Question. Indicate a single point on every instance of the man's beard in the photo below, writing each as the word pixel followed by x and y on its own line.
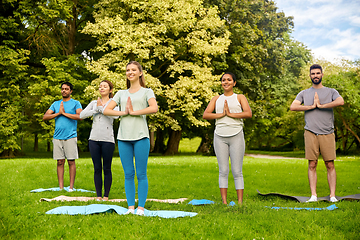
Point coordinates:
pixel 316 83
pixel 66 95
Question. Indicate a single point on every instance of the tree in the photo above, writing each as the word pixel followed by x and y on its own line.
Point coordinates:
pixel 175 41
pixel 343 76
pixel 51 31
pixel 13 72
pixel 266 62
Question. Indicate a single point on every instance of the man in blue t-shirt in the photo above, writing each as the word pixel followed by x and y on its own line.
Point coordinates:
pixel 66 113
pixel 318 103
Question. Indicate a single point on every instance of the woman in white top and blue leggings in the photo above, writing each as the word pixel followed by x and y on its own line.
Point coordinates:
pixel 101 140
pixel 133 136
pixel 230 110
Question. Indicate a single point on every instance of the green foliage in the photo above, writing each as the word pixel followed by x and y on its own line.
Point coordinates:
pixel 175 42
pixel 49 30
pixel 267 63
pixel 193 177
pixel 46 90
pixel 13 74
pixel 344 77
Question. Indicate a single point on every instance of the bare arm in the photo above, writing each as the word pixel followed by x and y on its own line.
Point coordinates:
pixel 296 106
pixel 75 116
pixel 337 102
pixel 152 108
pixel 50 114
pixel 209 111
pixel 246 110
pixel 109 110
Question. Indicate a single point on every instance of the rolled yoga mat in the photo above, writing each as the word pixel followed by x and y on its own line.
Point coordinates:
pixel 304 199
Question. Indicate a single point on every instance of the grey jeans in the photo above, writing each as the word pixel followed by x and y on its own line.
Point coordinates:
pixel 234 147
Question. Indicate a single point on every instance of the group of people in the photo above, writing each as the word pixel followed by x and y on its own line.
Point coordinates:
pixel 132 105
pixel 228 110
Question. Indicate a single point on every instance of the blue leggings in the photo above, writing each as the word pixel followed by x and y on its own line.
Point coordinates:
pixel 127 150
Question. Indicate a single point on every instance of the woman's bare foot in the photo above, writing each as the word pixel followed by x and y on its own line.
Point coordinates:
pixel 105 198
pixel 98 199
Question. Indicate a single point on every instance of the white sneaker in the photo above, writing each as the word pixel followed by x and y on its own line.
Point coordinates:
pixel 312 199
pixel 140 212
pixel 333 199
pixel 129 211
pixel 71 190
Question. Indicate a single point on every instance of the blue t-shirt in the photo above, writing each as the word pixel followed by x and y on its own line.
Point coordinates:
pixel 65 128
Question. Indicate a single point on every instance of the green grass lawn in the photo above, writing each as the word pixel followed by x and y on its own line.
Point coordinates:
pixel 22 215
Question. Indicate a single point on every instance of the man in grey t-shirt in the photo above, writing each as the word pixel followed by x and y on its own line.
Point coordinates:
pixel 318 103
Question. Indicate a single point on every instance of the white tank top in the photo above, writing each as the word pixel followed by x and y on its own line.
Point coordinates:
pixel 227 126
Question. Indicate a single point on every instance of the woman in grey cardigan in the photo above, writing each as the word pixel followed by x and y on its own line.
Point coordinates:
pixel 101 140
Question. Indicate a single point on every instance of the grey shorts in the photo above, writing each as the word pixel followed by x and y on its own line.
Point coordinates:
pixel 65 149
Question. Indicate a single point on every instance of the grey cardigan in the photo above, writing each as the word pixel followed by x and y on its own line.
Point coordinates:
pixel 102 127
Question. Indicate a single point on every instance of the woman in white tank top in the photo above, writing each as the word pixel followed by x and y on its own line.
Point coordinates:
pixel 230 110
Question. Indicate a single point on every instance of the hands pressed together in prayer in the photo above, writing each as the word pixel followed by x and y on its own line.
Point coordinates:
pixel 62 109
pixel 317 101
pixel 226 111
pixel 129 107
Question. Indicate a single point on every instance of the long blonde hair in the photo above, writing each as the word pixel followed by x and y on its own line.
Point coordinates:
pixel 141 78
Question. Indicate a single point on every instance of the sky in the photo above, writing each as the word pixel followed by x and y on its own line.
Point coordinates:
pixel 329 28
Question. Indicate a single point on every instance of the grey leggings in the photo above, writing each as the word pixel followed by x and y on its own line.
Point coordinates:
pixel 234 147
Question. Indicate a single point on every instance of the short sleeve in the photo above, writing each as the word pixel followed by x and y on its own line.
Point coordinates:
pixel 300 96
pixel 52 107
pixel 78 105
pixel 150 94
pixel 335 94
pixel 117 98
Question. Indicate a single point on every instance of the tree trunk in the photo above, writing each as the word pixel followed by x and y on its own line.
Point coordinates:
pixel 173 143
pixel 159 142
pixel 152 141
pixel 36 143
pixel 205 144
pixel 71 26
pixel 48 146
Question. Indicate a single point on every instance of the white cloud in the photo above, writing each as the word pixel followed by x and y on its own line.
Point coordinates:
pixel 355 20
pixel 330 28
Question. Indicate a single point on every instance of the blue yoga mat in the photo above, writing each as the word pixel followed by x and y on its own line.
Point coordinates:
pixel 56 189
pixel 102 208
pixel 197 202
pixel 331 207
pixel 200 202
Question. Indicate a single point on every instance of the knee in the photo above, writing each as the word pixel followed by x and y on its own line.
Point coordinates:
pixel 61 162
pixel 237 175
pixel 312 168
pixel 107 171
pixel 129 175
pixel 312 165
pixel 71 162
pixel 223 174
pixel 330 165
pixel 98 170
pixel 141 176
